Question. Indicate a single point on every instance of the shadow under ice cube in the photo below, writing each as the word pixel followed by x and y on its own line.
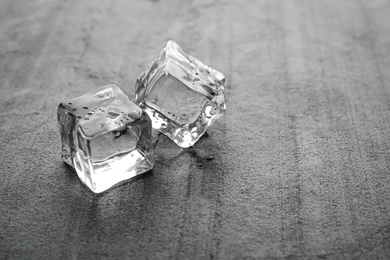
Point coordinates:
pixel 182 96
pixel 105 137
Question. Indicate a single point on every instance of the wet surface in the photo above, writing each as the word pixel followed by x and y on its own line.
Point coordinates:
pixel 301 158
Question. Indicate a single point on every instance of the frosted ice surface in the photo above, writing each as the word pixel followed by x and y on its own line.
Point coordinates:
pixel 105 137
pixel 182 95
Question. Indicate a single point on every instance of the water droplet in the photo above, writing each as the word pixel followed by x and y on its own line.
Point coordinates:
pixel 85 107
pixel 70 103
pixel 133 115
pixel 78 165
pixel 90 113
pixel 210 158
pixel 113 112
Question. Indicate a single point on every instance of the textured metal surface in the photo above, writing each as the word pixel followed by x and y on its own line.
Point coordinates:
pixel 298 167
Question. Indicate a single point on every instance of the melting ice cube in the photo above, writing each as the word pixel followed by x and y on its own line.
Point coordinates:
pixel 105 137
pixel 182 95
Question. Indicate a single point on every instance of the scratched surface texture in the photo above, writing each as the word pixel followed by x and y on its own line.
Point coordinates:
pixel 298 168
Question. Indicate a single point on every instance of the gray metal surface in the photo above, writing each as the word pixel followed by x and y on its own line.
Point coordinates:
pixel 301 158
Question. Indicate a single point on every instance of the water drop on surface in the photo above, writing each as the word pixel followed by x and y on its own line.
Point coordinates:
pixel 85 107
pixel 78 165
pixel 113 112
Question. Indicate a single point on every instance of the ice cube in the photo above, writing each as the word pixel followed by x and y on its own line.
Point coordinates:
pixel 105 137
pixel 182 96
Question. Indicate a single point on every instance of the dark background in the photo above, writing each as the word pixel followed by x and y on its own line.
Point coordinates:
pixel 301 158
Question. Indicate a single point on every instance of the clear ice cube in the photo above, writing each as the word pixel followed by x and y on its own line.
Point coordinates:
pixel 105 137
pixel 182 96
